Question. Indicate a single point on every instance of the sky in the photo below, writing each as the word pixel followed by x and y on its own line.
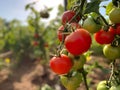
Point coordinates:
pixel 15 9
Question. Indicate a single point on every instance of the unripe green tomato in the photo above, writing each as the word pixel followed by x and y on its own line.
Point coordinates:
pixel 79 63
pixel 111 52
pixel 115 88
pixel 114 15
pixel 91 26
pixel 102 85
pixel 73 82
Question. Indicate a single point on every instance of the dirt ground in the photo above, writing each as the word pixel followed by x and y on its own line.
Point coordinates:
pixel 31 75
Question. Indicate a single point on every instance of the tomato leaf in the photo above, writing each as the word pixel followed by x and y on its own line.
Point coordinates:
pixel 92 6
pixel 70 3
pixel 109 7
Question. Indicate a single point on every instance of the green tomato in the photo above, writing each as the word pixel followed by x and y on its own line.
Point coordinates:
pixel 114 15
pixel 79 63
pixel 102 86
pixel 115 87
pixel 90 25
pixel 73 82
pixel 111 52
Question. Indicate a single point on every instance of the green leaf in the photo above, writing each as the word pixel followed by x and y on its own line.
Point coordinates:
pixel 27 6
pixel 70 3
pixel 93 6
pixel 109 7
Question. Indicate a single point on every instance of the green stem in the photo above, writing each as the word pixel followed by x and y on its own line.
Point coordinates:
pixel 112 71
pixel 104 20
pixel 85 79
pixel 80 7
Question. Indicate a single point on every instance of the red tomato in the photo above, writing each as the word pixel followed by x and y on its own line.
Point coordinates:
pixel 61 64
pixel 78 42
pixel 61 28
pixel 104 37
pixel 112 30
pixel 68 15
pixel 60 33
pixel 118 29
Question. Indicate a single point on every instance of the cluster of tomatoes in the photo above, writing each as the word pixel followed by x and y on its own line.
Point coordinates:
pixel 76 39
pixel 111 50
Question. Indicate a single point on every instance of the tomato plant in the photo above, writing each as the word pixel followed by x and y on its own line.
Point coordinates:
pixel 77 41
pixel 62 61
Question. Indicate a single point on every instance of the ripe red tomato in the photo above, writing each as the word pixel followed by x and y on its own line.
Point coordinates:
pixel 60 34
pixel 68 15
pixel 78 42
pixel 118 29
pixel 112 30
pixel 104 37
pixel 61 64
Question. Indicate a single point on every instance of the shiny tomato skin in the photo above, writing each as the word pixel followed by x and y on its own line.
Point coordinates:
pixel 112 30
pixel 104 37
pixel 78 42
pixel 60 34
pixel 68 15
pixel 118 29
pixel 61 64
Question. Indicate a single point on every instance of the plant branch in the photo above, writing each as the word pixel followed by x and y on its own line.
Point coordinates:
pixel 104 20
pixel 85 79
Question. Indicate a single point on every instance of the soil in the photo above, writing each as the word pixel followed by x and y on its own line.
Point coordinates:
pixel 32 75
